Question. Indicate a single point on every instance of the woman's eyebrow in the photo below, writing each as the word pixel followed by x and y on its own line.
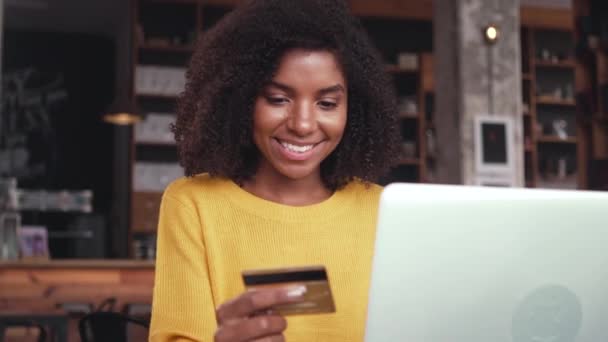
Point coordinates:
pixel 320 92
pixel 332 89
pixel 280 86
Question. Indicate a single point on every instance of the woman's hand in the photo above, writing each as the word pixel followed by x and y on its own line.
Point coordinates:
pixel 239 320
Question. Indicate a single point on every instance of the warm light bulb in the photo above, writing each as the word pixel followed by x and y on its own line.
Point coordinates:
pixel 122 119
pixel 491 33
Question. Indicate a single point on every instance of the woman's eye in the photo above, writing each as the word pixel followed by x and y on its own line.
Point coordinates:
pixel 276 100
pixel 327 104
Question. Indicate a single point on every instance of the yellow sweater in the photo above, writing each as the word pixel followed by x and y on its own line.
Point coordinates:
pixel 210 230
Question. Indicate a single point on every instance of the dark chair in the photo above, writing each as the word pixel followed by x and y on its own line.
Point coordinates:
pixel 4 324
pixel 107 326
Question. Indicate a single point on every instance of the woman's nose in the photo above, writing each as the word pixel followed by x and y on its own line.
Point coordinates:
pixel 302 120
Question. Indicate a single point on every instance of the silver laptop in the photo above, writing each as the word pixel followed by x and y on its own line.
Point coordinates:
pixel 473 264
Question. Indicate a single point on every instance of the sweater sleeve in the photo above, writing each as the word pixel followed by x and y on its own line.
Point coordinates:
pixel 182 305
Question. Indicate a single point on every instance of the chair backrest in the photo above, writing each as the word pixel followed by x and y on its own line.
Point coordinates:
pixel 107 326
pixel 42 335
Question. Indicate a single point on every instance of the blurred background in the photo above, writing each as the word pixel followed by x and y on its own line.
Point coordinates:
pixel 491 93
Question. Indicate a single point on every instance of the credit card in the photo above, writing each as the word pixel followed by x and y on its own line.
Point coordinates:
pixel 316 300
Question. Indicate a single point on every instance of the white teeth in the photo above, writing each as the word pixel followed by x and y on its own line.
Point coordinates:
pixel 296 148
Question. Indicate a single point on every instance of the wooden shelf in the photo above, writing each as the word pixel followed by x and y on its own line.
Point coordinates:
pixel 395 69
pixel 143 230
pixel 549 139
pixel 167 48
pixel 548 101
pixel 601 118
pixel 547 18
pixel 596 120
pixel 565 64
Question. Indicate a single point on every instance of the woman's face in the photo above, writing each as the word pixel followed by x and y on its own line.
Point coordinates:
pixel 299 117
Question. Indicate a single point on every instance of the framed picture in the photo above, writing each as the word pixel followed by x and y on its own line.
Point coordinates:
pixel 494 151
pixel 33 242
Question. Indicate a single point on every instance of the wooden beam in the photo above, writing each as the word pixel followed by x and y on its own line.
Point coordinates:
pixel 419 9
pixel 600 141
pixel 531 16
pixel 427 67
pixel 549 18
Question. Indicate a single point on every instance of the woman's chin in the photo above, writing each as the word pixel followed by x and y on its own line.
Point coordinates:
pixel 295 172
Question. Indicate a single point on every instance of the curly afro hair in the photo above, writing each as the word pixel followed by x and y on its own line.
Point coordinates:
pixel 236 58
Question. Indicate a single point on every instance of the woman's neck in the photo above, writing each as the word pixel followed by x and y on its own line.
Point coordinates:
pixel 295 192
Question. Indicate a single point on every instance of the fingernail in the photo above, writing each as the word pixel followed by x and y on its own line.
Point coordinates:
pixel 297 291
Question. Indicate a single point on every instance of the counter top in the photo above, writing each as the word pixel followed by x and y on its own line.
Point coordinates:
pixel 80 263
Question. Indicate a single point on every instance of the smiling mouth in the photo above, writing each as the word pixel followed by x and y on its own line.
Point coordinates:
pixel 296 148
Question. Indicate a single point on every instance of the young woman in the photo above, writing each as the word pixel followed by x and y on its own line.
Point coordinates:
pixel 286 121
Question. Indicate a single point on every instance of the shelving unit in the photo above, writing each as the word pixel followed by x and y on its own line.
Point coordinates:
pixel 412 86
pixel 405 43
pixel 554 142
pixel 166 32
pixel 591 40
